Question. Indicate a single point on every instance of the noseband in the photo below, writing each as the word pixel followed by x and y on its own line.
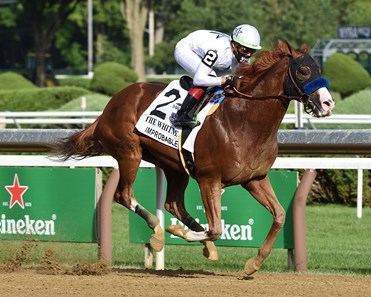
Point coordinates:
pixel 301 95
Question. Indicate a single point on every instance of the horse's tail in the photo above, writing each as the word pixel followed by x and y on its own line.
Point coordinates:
pixel 80 145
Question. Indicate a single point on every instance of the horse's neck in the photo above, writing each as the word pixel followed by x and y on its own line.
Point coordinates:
pixel 267 112
pixel 264 115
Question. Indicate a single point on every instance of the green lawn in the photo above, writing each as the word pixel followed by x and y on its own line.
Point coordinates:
pixel 337 243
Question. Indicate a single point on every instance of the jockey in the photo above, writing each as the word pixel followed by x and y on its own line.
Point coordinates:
pixel 211 56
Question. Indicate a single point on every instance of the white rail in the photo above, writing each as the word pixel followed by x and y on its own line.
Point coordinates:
pixel 334 119
pixel 26 114
pixel 88 117
pixel 108 161
pixel 281 163
pixel 48 117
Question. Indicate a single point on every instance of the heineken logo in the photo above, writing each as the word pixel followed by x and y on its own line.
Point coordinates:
pixel 26 224
pixel 230 231
pixel 49 203
pixel 16 192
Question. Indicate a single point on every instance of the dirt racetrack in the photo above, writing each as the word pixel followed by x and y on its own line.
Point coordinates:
pixel 130 282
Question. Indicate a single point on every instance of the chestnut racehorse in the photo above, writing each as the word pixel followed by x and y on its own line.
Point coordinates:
pixel 237 145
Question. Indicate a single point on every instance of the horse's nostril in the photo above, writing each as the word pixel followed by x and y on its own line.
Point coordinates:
pixel 326 105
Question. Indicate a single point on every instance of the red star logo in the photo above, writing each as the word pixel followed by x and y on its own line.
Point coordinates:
pixel 16 191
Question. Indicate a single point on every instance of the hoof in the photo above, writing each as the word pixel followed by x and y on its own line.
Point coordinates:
pixel 210 250
pixel 157 240
pixel 177 230
pixel 250 267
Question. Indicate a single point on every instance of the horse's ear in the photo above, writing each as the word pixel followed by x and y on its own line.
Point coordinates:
pixel 304 48
pixel 289 48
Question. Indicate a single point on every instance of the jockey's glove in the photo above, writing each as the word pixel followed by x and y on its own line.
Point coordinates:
pixel 230 80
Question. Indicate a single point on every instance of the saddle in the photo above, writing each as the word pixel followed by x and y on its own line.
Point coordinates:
pixel 186 82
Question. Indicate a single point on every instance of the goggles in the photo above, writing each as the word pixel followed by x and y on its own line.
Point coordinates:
pixel 245 50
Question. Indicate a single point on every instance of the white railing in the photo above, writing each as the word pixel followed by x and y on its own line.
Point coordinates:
pixel 19 118
pixel 334 119
pixel 281 163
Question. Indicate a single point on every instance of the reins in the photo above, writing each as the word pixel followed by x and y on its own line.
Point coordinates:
pixel 281 97
pixel 301 98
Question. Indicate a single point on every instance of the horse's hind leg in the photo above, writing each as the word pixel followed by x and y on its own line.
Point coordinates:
pixel 174 204
pixel 263 193
pixel 128 168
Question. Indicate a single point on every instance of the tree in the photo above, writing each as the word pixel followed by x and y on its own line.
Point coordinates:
pixel 298 21
pixel 359 13
pixel 112 41
pixel 69 48
pixel 26 24
pixel 183 17
pixel 46 17
pixel 110 38
pixel 135 14
pixel 342 7
pixel 15 36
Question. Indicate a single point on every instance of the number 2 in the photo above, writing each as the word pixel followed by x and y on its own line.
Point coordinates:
pixel 210 58
pixel 160 114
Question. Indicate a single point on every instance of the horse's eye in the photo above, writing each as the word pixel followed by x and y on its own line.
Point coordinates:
pixel 303 73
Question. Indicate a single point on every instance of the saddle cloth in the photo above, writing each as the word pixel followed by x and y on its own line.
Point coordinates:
pixel 155 123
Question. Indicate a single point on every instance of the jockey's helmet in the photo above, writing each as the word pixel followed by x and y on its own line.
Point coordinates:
pixel 246 39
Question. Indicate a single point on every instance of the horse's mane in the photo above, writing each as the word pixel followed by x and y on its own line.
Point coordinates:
pixel 266 59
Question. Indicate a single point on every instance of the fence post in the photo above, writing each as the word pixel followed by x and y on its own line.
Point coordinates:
pixel 300 201
pixel 160 201
pixel 359 193
pixel 105 217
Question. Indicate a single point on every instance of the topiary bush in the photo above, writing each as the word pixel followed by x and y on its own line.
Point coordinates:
pixel 111 77
pixel 94 102
pixel 39 99
pixel 346 75
pixel 14 81
pixel 76 81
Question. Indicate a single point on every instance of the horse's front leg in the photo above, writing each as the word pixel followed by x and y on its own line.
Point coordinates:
pixel 263 192
pixel 175 205
pixel 211 197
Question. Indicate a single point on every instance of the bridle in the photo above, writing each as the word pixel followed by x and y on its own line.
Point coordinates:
pixel 301 96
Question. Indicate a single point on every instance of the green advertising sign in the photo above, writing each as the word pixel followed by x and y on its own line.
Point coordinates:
pixel 245 222
pixel 50 204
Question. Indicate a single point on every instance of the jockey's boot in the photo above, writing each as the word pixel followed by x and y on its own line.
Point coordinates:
pixel 185 115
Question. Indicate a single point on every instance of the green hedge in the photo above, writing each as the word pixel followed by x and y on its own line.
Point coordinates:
pixel 76 81
pixel 110 78
pixel 39 99
pixel 14 81
pixel 94 102
pixel 346 75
